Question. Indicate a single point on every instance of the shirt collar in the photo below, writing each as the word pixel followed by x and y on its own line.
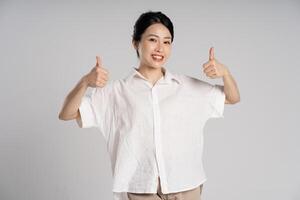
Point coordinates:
pixel 167 78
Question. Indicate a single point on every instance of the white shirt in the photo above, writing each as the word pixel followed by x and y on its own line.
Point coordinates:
pixel 153 131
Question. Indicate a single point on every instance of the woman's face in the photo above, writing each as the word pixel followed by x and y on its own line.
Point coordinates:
pixel 155 46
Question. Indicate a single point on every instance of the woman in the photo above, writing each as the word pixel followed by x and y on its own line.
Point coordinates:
pixel 152 120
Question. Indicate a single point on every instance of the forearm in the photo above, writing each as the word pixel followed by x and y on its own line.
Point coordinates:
pixel 230 88
pixel 73 100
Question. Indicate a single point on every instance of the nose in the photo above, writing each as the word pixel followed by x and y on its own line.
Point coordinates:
pixel 159 47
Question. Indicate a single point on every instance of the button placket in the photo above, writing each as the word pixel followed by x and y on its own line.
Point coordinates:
pixel 157 139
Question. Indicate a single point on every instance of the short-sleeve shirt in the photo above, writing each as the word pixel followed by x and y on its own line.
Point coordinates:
pixel 153 131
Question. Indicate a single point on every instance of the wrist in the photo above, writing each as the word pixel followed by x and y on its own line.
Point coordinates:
pixel 84 81
pixel 226 73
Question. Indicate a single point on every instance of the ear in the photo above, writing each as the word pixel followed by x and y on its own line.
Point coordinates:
pixel 135 44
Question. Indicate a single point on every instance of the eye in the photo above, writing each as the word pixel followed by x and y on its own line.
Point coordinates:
pixel 168 42
pixel 152 39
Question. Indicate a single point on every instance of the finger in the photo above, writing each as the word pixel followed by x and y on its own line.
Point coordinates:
pixel 208 69
pixel 210 73
pixel 211 53
pixel 101 80
pixel 207 64
pixel 106 76
pixel 103 77
pixel 98 61
pixel 101 84
pixel 105 71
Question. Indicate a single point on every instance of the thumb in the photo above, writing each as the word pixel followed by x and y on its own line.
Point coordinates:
pixel 211 53
pixel 98 61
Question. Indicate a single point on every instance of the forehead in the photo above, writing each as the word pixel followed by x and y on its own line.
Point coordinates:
pixel 157 29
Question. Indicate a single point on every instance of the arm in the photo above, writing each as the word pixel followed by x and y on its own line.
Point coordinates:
pixel 97 77
pixel 72 102
pixel 230 89
pixel 214 69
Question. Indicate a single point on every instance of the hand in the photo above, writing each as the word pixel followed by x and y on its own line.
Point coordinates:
pixel 213 68
pixel 98 76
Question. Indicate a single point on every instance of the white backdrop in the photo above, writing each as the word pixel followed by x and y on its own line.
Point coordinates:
pixel 47 46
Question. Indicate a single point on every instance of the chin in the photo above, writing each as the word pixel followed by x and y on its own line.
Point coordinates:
pixel 157 65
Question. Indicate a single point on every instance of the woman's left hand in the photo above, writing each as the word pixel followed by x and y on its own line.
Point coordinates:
pixel 213 68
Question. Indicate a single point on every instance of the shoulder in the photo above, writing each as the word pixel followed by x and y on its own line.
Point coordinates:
pixel 194 83
pixel 112 87
pixel 108 89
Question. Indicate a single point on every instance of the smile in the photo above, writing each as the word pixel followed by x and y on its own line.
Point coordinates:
pixel 157 57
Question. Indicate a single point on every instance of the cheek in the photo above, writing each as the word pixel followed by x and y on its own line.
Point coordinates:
pixel 168 51
pixel 147 49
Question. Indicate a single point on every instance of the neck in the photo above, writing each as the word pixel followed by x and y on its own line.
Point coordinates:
pixel 151 74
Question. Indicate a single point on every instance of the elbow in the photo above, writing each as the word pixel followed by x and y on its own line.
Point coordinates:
pixel 65 117
pixel 233 101
pixel 61 116
pixel 236 100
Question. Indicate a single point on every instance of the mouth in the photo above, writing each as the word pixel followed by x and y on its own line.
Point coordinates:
pixel 157 57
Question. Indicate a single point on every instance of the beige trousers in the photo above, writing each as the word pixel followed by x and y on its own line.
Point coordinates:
pixel 193 194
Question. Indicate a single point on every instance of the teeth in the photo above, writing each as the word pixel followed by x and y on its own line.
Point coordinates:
pixel 157 57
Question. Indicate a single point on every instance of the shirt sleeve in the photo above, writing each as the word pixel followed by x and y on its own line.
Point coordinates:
pixel 94 108
pixel 217 101
pixel 87 111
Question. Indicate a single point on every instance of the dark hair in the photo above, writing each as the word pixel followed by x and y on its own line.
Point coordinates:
pixel 147 19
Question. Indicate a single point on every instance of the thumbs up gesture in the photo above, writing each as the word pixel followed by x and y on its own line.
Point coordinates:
pixel 213 68
pixel 98 76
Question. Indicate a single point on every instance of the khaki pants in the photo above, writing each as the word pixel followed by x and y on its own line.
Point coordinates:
pixel 194 194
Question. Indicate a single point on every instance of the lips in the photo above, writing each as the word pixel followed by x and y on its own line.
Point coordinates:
pixel 157 57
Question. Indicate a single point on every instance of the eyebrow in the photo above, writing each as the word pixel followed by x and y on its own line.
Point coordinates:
pixel 168 37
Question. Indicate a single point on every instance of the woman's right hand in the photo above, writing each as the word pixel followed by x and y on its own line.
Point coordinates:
pixel 98 76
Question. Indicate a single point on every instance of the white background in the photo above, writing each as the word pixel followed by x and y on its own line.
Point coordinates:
pixel 47 46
